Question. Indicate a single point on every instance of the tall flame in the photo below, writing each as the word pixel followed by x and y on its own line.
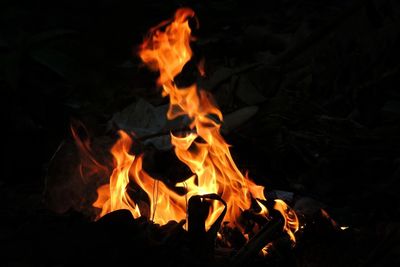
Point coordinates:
pixel 203 150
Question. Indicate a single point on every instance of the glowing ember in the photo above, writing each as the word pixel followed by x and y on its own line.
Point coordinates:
pixel 203 150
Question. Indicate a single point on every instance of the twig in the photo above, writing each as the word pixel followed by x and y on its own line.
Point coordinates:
pixel 202 242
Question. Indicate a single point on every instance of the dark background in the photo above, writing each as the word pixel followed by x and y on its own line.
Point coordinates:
pixel 324 75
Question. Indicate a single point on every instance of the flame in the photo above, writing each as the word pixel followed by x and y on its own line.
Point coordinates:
pixel 89 166
pixel 264 250
pixel 291 224
pixel 264 211
pixel 166 50
pixel 204 151
pixel 113 196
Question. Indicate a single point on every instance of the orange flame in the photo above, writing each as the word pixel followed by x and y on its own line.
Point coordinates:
pixel 204 150
pixel 291 225
pixel 89 166
pixel 113 196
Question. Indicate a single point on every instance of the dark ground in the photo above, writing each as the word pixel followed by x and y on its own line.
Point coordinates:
pixel 324 75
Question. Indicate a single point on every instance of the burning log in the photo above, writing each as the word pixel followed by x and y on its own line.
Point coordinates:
pixel 201 241
pixel 270 232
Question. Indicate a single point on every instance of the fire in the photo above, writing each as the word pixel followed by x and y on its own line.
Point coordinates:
pixel 291 224
pixel 166 50
pixel 113 196
pixel 90 166
pixel 204 151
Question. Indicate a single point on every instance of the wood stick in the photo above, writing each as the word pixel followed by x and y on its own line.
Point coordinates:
pixel 267 234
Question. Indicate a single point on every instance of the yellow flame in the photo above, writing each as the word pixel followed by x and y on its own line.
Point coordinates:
pixel 264 211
